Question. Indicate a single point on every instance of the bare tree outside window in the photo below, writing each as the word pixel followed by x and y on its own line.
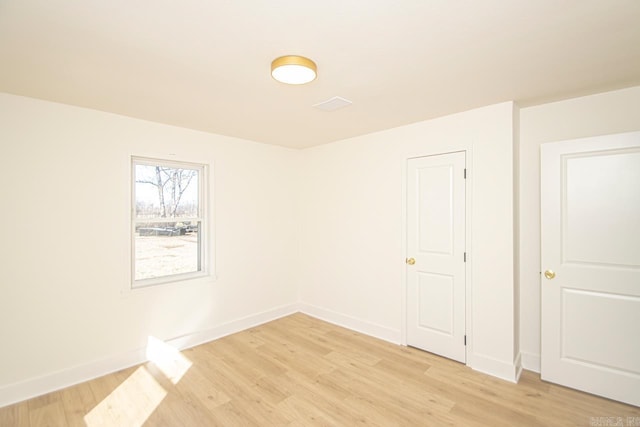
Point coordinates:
pixel 169 185
pixel 167 220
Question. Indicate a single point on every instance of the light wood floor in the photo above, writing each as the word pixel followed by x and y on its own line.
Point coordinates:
pixel 299 371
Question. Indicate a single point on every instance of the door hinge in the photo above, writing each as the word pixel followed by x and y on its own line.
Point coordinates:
pixel 465 257
pixel 465 340
pixel 465 173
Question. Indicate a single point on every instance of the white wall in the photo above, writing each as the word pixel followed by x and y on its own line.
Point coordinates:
pixel 352 250
pixel 601 114
pixel 328 219
pixel 65 239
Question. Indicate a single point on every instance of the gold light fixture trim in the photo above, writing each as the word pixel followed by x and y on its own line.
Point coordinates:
pixel 294 70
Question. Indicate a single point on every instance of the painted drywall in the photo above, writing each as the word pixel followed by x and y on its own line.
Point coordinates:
pixel 65 240
pixel 601 114
pixel 321 226
pixel 351 241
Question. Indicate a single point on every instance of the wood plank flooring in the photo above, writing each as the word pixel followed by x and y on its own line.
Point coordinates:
pixel 299 371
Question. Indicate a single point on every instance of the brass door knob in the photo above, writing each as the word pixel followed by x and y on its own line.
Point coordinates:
pixel 410 261
pixel 549 274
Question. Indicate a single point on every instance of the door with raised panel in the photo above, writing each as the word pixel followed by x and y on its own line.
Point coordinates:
pixel 590 212
pixel 435 254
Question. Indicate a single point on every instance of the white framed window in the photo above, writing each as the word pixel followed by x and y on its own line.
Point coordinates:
pixel 168 216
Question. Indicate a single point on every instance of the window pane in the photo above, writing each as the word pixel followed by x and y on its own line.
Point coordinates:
pixel 166 192
pixel 165 249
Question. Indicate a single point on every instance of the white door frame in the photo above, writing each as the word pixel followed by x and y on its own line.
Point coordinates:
pixel 468 245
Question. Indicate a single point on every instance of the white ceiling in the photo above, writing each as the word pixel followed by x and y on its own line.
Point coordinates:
pixel 204 64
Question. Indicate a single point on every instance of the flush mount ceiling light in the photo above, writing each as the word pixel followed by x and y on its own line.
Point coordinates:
pixel 293 70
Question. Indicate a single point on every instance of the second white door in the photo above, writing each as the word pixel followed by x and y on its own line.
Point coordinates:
pixel 591 263
pixel 436 254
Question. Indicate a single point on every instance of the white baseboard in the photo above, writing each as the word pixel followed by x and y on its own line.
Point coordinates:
pixel 38 386
pixel 507 371
pixel 497 368
pixel 34 387
pixel 238 325
pixel 531 361
pixel 358 325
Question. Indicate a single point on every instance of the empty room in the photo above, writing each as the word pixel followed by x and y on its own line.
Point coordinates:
pixel 295 213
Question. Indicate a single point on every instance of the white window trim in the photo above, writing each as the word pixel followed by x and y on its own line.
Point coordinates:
pixel 203 218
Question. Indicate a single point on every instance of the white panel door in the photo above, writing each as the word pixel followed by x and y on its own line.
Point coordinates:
pixel 590 201
pixel 435 254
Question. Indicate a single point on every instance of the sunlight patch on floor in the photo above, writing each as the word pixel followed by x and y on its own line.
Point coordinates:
pixel 138 396
pixel 130 404
pixel 168 359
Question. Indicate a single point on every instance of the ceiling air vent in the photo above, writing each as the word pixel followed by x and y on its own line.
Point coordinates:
pixel 333 104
